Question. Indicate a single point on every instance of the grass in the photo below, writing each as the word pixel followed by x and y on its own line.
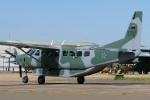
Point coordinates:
pixel 135 79
pixel 131 78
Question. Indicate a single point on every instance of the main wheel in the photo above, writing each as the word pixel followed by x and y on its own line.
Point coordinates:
pixel 41 79
pixel 25 79
pixel 80 80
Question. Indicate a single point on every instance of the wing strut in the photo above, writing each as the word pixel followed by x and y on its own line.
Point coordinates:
pixel 29 55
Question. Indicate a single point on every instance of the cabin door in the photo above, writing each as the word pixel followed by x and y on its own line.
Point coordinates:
pixel 50 58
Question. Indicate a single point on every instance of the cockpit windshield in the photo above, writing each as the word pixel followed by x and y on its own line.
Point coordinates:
pixel 31 51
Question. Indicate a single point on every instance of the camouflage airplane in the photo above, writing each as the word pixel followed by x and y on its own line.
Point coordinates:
pixel 76 59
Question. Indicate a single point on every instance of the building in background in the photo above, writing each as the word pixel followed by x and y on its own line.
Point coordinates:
pixel 6 61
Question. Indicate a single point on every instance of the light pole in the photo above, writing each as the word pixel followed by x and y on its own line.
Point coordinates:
pixel 3 63
pixel 8 63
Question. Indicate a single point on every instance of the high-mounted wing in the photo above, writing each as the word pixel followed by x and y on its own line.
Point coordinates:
pixel 29 45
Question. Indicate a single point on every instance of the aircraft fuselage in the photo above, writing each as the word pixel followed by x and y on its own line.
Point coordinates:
pixel 71 60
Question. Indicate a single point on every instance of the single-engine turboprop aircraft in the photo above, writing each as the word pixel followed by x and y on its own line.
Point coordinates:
pixel 76 59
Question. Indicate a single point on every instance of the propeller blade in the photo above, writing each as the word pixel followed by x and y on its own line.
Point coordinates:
pixel 10 62
pixel 12 55
pixel 20 71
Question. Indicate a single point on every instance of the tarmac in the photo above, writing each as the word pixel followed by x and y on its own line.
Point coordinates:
pixel 95 88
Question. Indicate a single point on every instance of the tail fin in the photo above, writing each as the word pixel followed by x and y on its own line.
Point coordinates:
pixel 132 39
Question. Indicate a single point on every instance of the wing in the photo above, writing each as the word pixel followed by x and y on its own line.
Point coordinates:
pixel 29 45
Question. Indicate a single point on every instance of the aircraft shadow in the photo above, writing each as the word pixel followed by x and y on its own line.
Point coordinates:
pixel 104 83
pixel 114 83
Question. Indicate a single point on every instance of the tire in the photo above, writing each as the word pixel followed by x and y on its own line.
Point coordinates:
pixel 41 79
pixel 80 80
pixel 146 71
pixel 25 79
pixel 140 71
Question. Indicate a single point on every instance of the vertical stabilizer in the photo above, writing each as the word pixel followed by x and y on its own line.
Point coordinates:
pixel 132 39
pixel 134 32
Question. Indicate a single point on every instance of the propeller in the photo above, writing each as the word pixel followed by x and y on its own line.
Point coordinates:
pixel 20 67
pixel 12 55
pixel 20 71
pixel 13 62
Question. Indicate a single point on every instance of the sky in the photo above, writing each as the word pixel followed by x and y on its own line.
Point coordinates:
pixel 96 21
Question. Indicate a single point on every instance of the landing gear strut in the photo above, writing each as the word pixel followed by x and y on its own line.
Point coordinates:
pixel 25 78
pixel 80 80
pixel 41 79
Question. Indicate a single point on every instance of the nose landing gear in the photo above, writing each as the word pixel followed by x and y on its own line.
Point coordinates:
pixel 25 78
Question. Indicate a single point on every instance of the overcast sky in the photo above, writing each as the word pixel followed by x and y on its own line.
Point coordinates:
pixel 97 21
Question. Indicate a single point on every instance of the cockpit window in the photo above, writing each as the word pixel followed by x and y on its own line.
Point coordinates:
pixel 37 53
pixel 31 51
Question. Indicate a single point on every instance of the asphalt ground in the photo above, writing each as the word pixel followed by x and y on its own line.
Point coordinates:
pixel 96 87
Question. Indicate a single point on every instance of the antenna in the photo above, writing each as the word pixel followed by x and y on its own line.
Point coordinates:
pixel 63 42
pixel 9 40
pixel 52 42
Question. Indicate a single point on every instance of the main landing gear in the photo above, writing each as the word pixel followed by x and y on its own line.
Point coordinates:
pixel 41 79
pixel 80 80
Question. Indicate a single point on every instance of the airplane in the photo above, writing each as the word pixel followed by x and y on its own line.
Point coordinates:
pixel 70 59
pixel 141 62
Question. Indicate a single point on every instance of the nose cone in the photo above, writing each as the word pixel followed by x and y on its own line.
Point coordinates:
pixel 20 60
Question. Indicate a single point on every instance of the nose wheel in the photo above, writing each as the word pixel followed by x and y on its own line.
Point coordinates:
pixel 25 79
pixel 80 80
pixel 41 79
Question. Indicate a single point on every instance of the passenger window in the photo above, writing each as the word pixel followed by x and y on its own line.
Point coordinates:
pixel 56 53
pixel 72 53
pixel 49 54
pixel 87 53
pixel 79 53
pixel 37 53
pixel 65 53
